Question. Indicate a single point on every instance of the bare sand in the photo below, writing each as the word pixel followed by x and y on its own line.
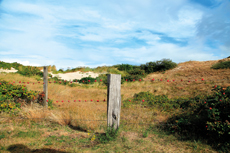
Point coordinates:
pixel 75 75
pixel 67 76
pixel 12 70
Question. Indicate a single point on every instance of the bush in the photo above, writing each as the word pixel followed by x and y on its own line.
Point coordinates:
pixel 113 71
pixel 29 71
pixel 109 135
pixel 131 78
pixel 137 71
pixel 87 80
pixel 161 102
pixel 10 93
pixel 162 65
pixel 124 67
pixel 5 65
pixel 221 65
pixel 23 70
pixel 208 120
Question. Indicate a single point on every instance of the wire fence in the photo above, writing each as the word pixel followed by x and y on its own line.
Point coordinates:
pixel 104 99
pixel 140 80
pixel 88 120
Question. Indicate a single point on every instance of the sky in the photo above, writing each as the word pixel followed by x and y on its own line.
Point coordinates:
pixel 91 33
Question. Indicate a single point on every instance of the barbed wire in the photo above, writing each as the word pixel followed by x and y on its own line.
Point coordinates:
pixel 140 80
pixel 23 118
pixel 121 121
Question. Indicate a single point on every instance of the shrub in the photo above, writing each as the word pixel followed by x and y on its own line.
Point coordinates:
pixel 130 78
pixel 136 71
pixel 87 80
pixel 208 120
pixel 124 67
pixel 109 135
pixel 113 71
pixel 160 101
pixel 5 65
pixel 162 65
pixel 29 71
pixel 10 93
pixel 103 78
pixel 221 65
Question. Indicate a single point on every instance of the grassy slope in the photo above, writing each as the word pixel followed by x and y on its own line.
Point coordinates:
pixel 52 135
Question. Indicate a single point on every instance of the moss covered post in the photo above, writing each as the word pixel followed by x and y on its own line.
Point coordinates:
pixel 113 100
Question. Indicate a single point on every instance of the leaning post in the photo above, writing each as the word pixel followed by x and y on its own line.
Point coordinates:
pixel 113 100
pixel 45 86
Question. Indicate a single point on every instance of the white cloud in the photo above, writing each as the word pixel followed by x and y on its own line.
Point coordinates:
pixel 26 63
pixel 215 25
pixel 70 33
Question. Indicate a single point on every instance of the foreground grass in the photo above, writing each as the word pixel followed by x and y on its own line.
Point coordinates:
pixel 43 136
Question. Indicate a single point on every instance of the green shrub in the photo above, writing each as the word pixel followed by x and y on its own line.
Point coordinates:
pixel 29 71
pixel 103 78
pixel 9 93
pixel 124 67
pixel 208 119
pixel 5 65
pixel 23 70
pixel 131 78
pixel 87 80
pixel 113 71
pixel 110 135
pixel 221 65
pixel 136 71
pixel 162 65
pixel 50 103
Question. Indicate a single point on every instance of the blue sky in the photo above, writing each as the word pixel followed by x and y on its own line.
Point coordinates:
pixel 94 33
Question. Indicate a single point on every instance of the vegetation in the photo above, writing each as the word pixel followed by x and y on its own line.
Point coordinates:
pixel 162 65
pixel 11 97
pixel 208 119
pixel 221 65
pixel 156 116
pixel 109 135
pixel 203 118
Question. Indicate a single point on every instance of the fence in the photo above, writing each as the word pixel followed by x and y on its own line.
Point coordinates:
pixel 113 94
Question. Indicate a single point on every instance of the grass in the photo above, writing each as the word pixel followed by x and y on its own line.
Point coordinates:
pixel 67 139
pixel 64 128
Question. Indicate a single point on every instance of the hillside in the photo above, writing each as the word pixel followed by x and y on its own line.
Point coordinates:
pixel 63 128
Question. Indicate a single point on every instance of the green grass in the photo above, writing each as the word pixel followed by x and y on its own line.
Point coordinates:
pixel 146 139
pixel 29 134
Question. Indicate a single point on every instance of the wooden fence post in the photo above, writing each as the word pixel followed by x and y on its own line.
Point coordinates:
pixel 45 86
pixel 113 100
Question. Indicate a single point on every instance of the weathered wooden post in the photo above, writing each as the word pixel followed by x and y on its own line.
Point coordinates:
pixel 113 100
pixel 45 86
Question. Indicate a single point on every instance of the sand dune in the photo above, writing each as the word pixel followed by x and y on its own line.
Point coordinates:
pixel 67 76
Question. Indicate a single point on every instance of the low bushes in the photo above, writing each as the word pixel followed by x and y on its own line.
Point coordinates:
pixel 124 67
pixel 162 65
pixel 202 117
pixel 29 71
pixel 11 96
pixel 221 65
pixel 5 65
pixel 209 119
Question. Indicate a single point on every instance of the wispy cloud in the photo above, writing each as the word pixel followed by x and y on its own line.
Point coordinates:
pixel 79 33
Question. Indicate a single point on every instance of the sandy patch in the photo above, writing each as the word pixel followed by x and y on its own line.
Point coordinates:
pixel 75 75
pixel 67 76
pixel 12 70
